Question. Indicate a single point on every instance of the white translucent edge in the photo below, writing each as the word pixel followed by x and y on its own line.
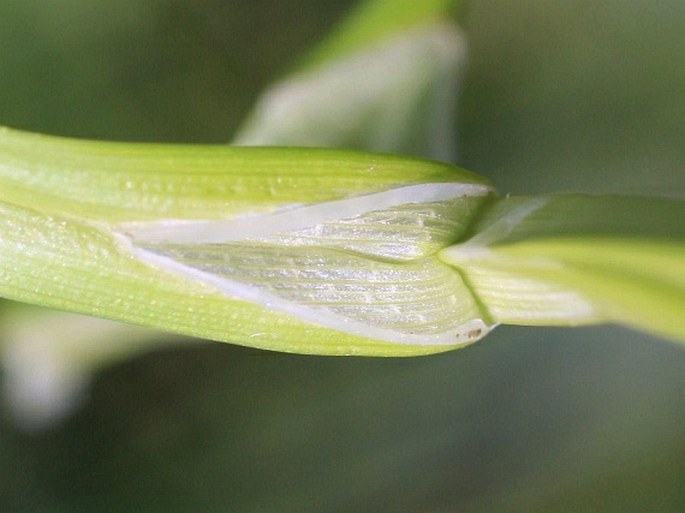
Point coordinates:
pixel 291 219
pixel 500 229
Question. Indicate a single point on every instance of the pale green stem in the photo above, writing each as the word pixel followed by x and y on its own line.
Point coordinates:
pixel 322 251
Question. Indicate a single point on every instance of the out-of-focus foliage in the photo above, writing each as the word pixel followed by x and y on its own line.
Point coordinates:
pixel 148 70
pixel 576 95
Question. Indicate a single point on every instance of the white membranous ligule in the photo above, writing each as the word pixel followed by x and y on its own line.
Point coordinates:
pixel 364 265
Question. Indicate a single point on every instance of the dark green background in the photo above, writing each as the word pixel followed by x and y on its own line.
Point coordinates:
pixel 559 95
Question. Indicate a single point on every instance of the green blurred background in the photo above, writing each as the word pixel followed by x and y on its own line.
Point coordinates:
pixel 558 96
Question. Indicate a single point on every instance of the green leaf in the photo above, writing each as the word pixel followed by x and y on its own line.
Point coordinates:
pixel 577 259
pixel 112 181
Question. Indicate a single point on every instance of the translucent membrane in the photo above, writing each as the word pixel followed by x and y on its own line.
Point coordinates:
pixel 373 273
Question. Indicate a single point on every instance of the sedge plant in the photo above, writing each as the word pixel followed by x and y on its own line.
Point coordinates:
pixel 331 251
